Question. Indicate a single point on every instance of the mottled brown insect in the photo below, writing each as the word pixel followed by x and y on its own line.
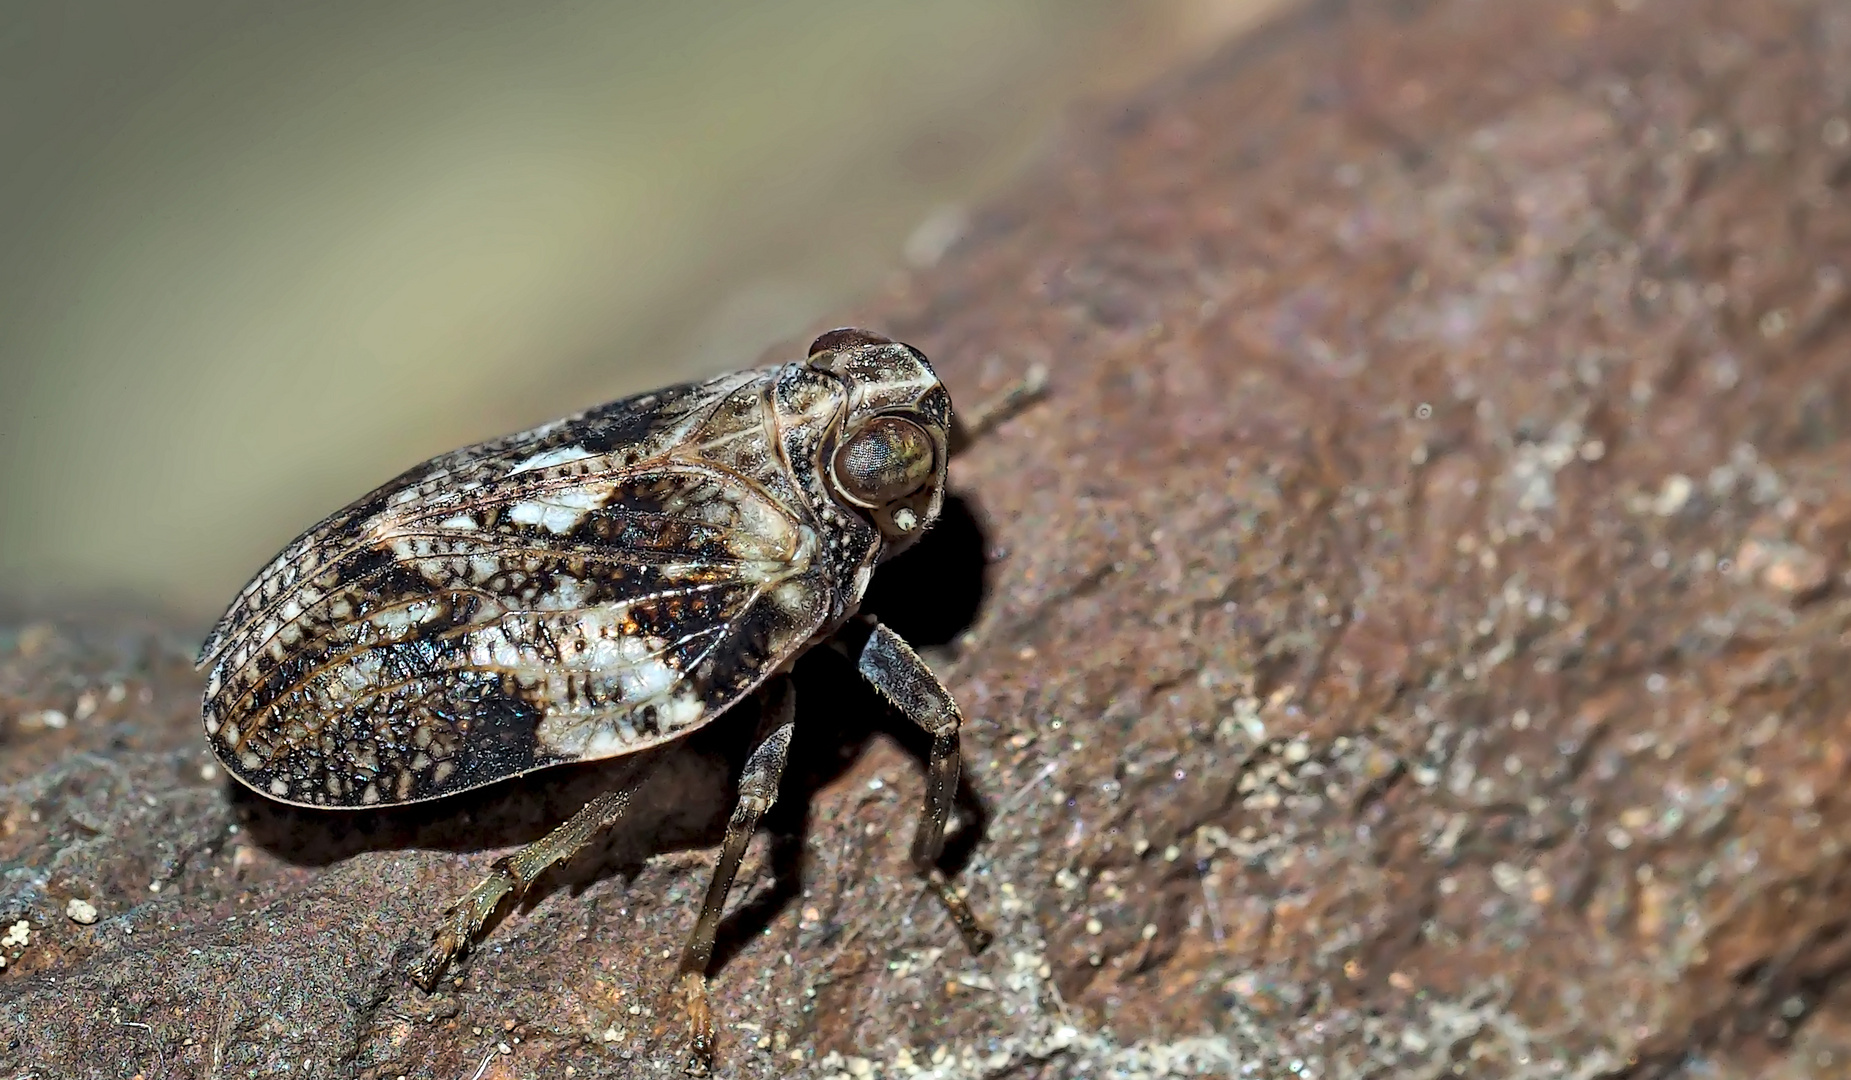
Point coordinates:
pixel 594 587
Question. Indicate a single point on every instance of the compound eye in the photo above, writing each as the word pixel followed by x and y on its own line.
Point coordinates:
pixel 888 459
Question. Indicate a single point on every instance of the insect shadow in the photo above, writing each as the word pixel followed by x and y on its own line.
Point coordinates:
pixel 929 595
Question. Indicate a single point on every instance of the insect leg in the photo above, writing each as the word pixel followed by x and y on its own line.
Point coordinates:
pixel 758 789
pixel 971 424
pixel 513 874
pixel 892 668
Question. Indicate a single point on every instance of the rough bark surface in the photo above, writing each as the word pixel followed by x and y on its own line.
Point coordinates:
pixel 1414 642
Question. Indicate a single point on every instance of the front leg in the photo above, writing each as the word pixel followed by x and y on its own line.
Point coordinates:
pixel 893 669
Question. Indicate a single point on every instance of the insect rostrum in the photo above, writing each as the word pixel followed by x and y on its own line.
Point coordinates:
pixel 591 588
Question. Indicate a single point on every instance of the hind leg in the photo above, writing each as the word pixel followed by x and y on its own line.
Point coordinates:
pixel 512 875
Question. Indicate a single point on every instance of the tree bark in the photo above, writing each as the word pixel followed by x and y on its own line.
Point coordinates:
pixel 1410 639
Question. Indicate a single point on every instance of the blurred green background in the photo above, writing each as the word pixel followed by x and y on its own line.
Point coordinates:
pixel 258 257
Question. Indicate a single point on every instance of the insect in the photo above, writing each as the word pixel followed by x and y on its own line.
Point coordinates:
pixel 595 587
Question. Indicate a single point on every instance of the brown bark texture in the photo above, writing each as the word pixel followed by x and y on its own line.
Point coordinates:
pixel 1409 641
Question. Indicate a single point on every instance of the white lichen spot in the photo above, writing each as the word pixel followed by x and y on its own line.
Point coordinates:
pixel 607 740
pixel 462 522
pixel 634 663
pixel 398 620
pixel 633 670
pixel 1673 495
pixel 568 594
pixel 559 511
pixel 764 533
pixel 681 711
pixel 550 458
pixel 491 648
pixel 359 674
pixel 794 598
pixel 277 787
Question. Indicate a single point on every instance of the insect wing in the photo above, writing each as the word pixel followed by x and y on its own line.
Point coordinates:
pixel 645 426
pixel 585 590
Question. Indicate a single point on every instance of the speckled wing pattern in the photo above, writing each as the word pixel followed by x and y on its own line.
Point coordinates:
pixel 586 589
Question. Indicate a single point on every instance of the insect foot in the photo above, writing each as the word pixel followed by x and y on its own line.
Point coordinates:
pixel 691 991
pixel 458 926
pixel 595 588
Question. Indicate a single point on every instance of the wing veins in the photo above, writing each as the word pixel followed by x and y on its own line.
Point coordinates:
pixel 681 675
pixel 460 463
pixel 332 660
pixel 604 554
